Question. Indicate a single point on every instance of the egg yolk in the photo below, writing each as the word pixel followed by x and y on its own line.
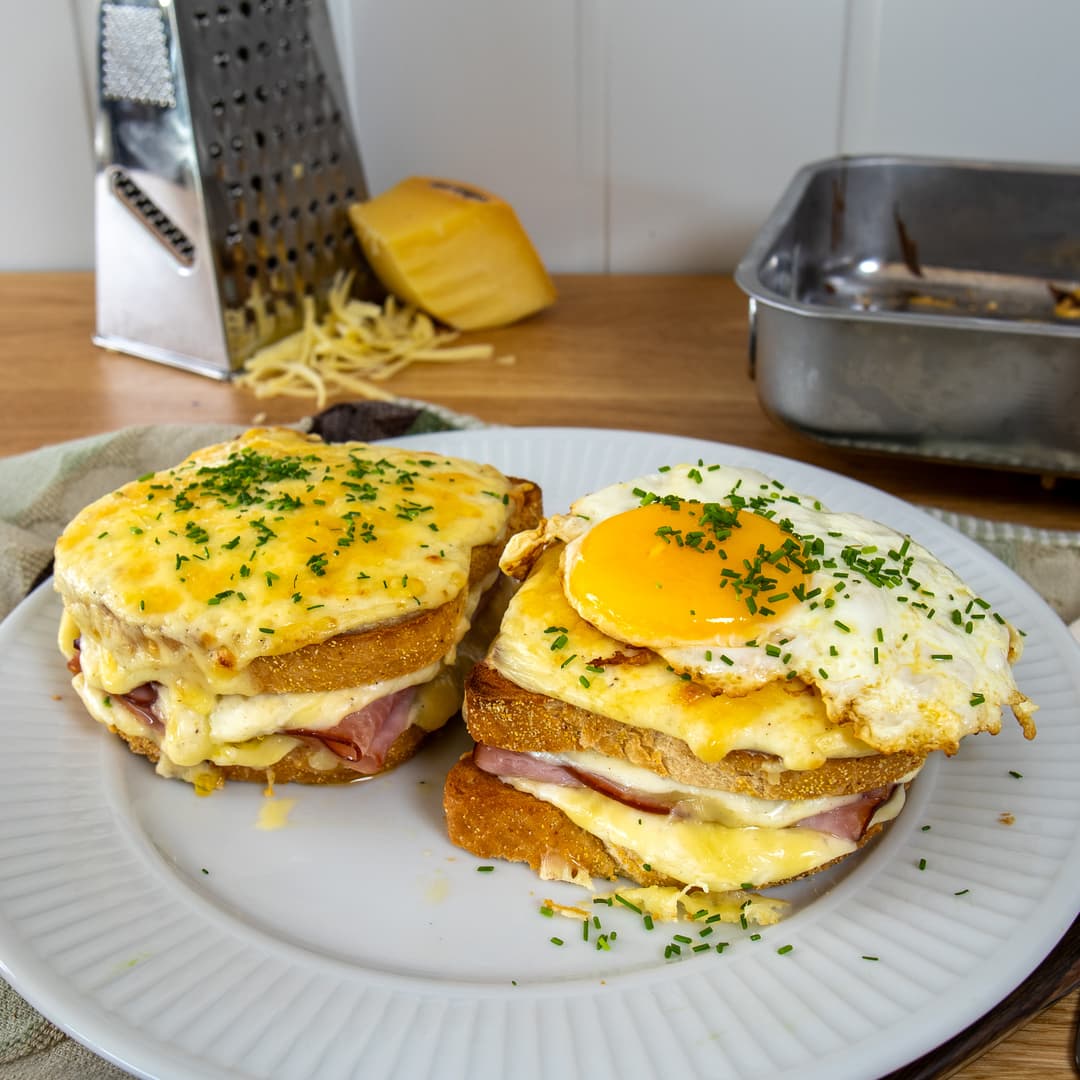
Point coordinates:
pixel 662 575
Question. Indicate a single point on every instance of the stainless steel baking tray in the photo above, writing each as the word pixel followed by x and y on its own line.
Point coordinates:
pixel 923 307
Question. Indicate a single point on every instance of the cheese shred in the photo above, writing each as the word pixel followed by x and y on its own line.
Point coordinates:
pixel 356 345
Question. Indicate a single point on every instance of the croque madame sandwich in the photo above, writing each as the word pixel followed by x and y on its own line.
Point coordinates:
pixel 280 608
pixel 707 680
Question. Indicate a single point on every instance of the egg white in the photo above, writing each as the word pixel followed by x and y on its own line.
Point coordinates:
pixel 896 644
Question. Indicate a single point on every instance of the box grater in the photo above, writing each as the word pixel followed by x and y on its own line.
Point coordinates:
pixel 225 164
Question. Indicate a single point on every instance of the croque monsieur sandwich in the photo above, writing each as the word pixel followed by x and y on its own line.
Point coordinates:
pixel 707 680
pixel 280 608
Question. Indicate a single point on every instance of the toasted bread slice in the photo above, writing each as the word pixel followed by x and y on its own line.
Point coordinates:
pixel 493 820
pixel 393 649
pixel 500 713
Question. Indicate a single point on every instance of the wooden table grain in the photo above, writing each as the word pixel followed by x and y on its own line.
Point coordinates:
pixel 650 353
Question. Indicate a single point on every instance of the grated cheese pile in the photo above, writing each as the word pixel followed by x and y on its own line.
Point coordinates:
pixel 356 345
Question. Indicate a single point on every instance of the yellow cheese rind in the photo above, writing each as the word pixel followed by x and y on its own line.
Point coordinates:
pixel 454 250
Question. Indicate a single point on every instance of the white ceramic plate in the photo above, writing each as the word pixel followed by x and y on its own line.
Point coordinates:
pixel 174 936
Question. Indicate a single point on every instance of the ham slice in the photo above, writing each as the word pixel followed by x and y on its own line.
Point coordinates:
pixel 849 821
pixel 362 738
pixel 142 701
pixel 512 763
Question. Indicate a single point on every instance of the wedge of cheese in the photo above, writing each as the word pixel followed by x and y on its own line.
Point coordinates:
pixel 455 251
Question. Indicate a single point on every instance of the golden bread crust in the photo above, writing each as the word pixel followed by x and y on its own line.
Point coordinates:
pixel 501 713
pixel 496 821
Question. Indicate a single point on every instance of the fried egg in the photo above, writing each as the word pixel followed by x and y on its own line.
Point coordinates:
pixel 737 582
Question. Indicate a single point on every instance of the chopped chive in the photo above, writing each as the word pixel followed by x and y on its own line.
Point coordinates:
pixel 556 941
pixel 648 921
pixel 1015 775
pixel 546 911
pixel 875 958
pixel 784 949
pixel 962 892
pixel 683 939
pixel 626 903
pixel 755 937
pixel 484 869
pixel 922 864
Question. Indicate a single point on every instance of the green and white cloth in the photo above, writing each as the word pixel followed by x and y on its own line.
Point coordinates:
pixel 42 490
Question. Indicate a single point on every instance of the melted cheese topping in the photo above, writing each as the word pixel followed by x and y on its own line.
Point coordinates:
pixel 546 647
pixel 711 856
pixel 271 542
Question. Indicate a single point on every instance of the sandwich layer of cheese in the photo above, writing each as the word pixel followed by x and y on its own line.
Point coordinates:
pixel 711 856
pixel 545 647
pixel 713 804
pixel 202 727
pixel 266 544
pixel 191 740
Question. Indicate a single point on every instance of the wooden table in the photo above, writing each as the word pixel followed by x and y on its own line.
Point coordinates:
pixel 657 353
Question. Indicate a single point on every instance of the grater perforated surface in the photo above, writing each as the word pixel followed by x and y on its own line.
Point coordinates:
pixel 275 153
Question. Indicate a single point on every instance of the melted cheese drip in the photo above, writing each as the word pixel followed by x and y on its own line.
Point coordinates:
pixel 710 856
pixel 274 814
pixel 271 542
pixel 773 720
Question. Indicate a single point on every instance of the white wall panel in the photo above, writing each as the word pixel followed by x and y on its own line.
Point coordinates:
pixel 969 78
pixel 46 185
pixel 631 135
pixel 494 92
pixel 713 106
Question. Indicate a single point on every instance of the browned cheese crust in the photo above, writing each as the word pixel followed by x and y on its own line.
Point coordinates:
pixel 392 649
pixel 501 713
pixel 496 821
pixel 294 767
